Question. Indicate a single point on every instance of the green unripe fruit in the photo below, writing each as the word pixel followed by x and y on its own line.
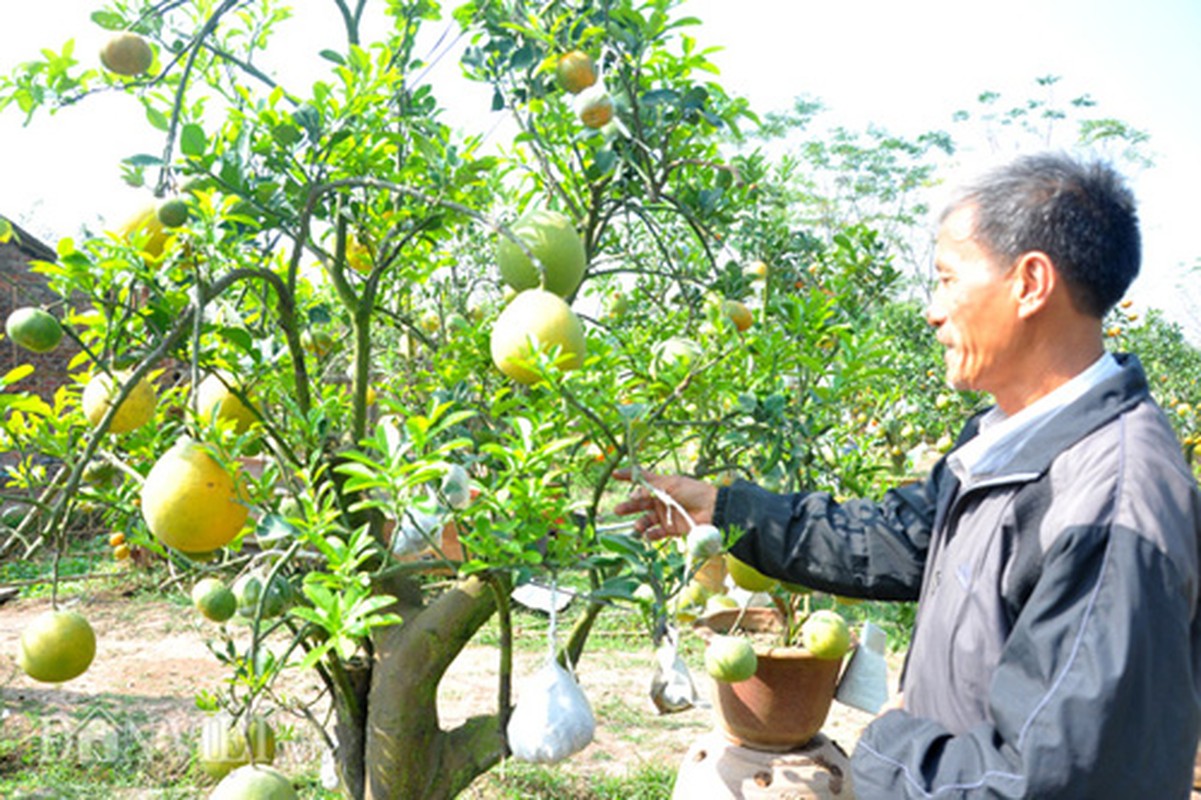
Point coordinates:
pixel 553 239
pixel 34 329
pixel 826 634
pixel 214 600
pixel 730 659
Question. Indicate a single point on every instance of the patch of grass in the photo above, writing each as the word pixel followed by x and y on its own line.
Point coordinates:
pixel 517 781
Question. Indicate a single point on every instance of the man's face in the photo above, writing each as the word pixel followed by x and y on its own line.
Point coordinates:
pixel 973 309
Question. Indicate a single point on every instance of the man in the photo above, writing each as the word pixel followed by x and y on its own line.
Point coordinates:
pixel 1053 551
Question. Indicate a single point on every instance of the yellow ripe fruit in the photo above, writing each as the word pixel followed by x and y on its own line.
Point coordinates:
pixel 536 320
pixel 738 313
pixel 56 646
pixel 190 502
pixel 358 256
pixel 121 552
pixel 575 71
pixel 216 401
pixel 116 539
pixel 756 270
pixel 747 577
pixel 126 54
pixel 134 412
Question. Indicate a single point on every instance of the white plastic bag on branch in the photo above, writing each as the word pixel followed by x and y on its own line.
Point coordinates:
pixel 672 689
pixel 552 720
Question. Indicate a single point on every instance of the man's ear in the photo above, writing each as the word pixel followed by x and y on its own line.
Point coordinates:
pixel 1034 282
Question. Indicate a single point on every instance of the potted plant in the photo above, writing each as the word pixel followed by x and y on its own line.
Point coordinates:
pixel 775 667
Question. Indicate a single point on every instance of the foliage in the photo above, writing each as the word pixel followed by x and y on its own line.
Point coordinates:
pixel 340 245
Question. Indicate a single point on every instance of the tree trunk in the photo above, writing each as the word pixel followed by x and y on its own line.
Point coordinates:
pixel 405 754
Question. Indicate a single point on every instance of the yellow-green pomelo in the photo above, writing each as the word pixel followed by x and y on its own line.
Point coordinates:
pixel 536 321
pixel 825 634
pixel 56 646
pixel 34 329
pixel 135 410
pixel 223 744
pixel 553 239
pixel 253 782
pixel 674 357
pixel 190 502
pixel 747 577
pixel 173 212
pixel 719 602
pixel 126 54
pixel 730 658
pixel 595 108
pixel 248 589
pixel 216 401
pixel 575 71
pixel 214 600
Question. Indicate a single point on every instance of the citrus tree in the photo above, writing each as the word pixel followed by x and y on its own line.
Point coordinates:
pixel 368 375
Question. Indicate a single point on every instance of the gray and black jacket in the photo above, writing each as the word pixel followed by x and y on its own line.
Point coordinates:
pixel 1057 648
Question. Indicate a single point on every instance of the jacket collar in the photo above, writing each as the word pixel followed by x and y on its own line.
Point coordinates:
pixel 1073 422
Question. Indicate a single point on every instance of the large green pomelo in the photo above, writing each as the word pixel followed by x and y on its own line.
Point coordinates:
pixel 254 782
pixel 551 237
pixel 34 329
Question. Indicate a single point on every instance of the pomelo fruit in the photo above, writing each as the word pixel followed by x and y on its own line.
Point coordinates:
pixel 173 212
pixel 190 501
pixel 223 744
pixel 56 646
pixel 825 634
pixel 553 239
pixel 672 358
pixel 135 410
pixel 575 71
pixel 217 402
pixel 536 320
pixel 34 329
pixel 126 53
pixel 214 600
pixel 738 313
pixel 595 108
pixel 248 589
pixel 730 659
pixel 703 541
pixel 145 230
pixel 747 577
pixel 253 782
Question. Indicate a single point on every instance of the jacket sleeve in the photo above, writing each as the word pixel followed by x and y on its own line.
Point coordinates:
pixel 857 548
pixel 1094 696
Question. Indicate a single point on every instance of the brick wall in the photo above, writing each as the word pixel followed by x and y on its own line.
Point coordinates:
pixel 20 286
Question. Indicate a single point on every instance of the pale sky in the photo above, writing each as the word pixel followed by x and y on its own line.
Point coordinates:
pixel 906 66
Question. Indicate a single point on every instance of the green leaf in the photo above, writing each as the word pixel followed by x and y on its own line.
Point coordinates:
pixel 158 119
pixel 108 20
pixel 143 160
pixel 192 141
pixel 334 56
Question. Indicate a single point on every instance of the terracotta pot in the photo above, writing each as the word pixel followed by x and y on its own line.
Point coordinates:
pixel 785 703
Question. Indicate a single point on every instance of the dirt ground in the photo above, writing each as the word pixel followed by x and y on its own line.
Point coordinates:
pixel 152 660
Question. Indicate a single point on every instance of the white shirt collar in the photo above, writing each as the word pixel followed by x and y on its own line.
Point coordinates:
pixel 999 436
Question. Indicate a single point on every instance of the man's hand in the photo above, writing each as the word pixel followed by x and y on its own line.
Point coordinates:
pixel 661 519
